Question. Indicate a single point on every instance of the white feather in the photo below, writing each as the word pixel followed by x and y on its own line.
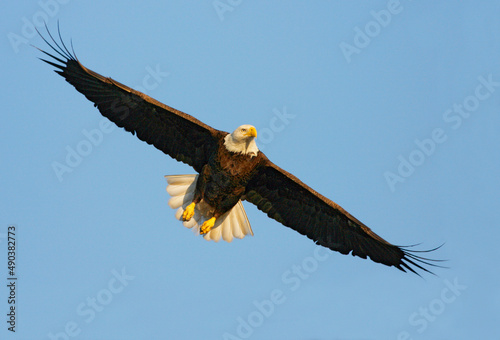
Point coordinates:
pixel 240 142
pixel 176 190
pixel 233 224
pixel 175 202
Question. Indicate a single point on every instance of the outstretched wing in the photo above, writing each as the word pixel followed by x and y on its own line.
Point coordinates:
pixel 286 199
pixel 177 134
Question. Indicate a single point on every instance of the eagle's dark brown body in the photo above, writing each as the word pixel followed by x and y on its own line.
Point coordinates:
pixel 223 180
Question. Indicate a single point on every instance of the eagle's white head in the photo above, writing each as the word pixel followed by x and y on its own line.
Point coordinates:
pixel 242 140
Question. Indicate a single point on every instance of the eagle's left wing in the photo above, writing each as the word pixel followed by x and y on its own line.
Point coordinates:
pixel 288 200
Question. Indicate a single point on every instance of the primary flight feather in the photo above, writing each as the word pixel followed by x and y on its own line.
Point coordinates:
pixel 230 168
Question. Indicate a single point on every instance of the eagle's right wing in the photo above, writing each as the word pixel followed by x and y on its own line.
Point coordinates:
pixel 176 133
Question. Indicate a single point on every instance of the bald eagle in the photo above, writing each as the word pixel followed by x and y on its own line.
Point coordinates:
pixel 230 169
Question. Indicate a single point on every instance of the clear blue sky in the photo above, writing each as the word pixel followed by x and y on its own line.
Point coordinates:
pixel 393 112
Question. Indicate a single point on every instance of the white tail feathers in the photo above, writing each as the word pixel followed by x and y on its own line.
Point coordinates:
pixel 232 224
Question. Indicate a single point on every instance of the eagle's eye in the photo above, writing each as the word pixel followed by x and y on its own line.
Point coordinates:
pixel 243 130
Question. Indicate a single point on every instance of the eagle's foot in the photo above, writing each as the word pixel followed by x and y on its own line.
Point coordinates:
pixel 189 212
pixel 207 226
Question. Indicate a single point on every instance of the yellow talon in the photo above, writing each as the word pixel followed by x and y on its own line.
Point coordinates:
pixel 189 212
pixel 207 226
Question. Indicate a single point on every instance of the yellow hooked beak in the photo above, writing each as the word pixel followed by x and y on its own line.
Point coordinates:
pixel 252 132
